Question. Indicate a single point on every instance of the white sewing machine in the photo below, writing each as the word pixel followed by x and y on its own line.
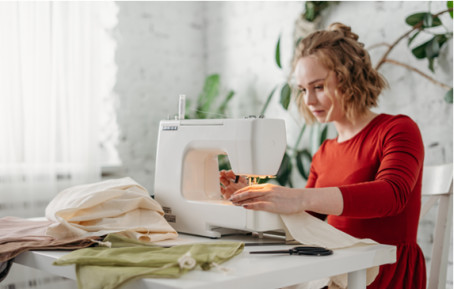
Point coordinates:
pixel 187 173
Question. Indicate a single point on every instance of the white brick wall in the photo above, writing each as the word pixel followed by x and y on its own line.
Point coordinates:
pixel 243 38
pixel 167 48
pixel 160 54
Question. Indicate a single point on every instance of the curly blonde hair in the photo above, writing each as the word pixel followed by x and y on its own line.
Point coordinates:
pixel 338 49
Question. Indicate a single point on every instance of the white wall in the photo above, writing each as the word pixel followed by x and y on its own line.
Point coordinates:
pixel 167 48
pixel 160 54
pixel 242 39
pixel 409 93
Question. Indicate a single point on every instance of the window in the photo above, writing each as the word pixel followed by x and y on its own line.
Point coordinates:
pixel 57 75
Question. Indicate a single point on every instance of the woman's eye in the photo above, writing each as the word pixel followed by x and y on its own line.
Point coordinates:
pixel 319 87
pixel 302 90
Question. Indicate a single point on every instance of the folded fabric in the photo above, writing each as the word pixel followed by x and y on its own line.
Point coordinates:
pixel 118 205
pixel 108 268
pixel 18 235
pixel 14 228
pixel 310 230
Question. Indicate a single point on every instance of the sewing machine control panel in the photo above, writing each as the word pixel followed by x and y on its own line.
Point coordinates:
pixel 170 127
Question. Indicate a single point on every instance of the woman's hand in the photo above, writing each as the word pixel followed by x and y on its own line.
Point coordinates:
pixel 229 186
pixel 271 198
pixel 283 200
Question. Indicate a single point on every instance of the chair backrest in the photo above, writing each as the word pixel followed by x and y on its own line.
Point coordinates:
pixel 437 186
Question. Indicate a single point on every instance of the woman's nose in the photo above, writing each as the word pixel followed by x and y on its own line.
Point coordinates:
pixel 310 98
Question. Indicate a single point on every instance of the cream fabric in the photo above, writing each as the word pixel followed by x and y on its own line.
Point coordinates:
pixel 310 230
pixel 117 205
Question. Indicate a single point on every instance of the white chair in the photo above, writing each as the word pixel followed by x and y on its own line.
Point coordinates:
pixel 437 185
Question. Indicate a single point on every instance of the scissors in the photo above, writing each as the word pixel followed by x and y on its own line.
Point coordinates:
pixel 302 250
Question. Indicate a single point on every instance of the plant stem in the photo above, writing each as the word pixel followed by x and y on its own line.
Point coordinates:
pixel 298 140
pixel 383 59
pixel 378 45
pixel 447 87
pixel 265 106
pixel 415 27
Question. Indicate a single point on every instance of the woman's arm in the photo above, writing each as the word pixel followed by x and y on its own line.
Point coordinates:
pixel 283 200
pixel 398 177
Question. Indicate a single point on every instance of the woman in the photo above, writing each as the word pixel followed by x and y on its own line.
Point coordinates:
pixel 368 179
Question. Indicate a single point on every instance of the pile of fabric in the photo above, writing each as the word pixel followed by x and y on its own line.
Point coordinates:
pixel 114 223
pixel 125 259
pixel 19 235
pixel 118 205
pixel 119 213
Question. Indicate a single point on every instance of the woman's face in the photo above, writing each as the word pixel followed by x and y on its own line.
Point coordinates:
pixel 315 83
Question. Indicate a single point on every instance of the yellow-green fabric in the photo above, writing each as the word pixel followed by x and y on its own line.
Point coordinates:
pixel 108 268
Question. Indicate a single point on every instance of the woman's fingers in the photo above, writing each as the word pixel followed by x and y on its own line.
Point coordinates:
pixel 230 183
pixel 227 174
pixel 224 181
pixel 259 206
pixel 227 177
pixel 268 197
pixel 247 194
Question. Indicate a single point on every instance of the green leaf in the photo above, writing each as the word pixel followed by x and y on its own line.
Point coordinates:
pixel 313 9
pixel 285 170
pixel 286 93
pixel 431 48
pixel 431 63
pixel 324 134
pixel 208 95
pixel 224 163
pixel 188 109
pixel 278 52
pixel 414 19
pixel 309 14
pixel 442 38
pixel 298 41
pixel 449 5
pixel 300 137
pixel 448 95
pixel 223 106
pixel 410 40
pixel 436 22
pixel 270 96
pixel 303 157
pixel 428 20
pixel 420 51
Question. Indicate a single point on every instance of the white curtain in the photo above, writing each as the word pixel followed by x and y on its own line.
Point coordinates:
pixel 56 66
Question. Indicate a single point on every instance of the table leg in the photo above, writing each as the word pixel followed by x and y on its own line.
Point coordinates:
pixel 357 279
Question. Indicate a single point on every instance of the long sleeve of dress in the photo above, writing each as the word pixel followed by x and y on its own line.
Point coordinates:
pixel 379 173
pixel 401 155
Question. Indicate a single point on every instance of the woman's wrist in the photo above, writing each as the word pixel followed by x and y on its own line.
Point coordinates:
pixel 305 200
pixel 328 201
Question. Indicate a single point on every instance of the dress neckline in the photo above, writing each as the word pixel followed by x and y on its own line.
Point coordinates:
pixel 370 123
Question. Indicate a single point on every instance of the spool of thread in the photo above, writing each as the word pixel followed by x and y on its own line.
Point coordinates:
pixel 181 106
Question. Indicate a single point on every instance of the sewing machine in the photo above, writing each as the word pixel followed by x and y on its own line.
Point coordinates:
pixel 187 171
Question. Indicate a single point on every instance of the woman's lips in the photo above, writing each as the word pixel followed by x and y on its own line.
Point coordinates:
pixel 317 112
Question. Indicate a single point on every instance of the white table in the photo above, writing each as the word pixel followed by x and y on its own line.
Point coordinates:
pixel 246 270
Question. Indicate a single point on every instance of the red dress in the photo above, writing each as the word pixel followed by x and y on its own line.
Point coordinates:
pixel 379 173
